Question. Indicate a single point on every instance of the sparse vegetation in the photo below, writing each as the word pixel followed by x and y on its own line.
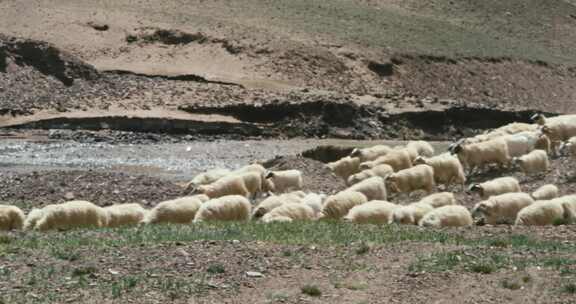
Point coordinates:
pixel 311 290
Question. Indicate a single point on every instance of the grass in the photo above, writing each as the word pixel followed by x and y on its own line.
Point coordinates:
pixel 216 269
pixel 65 245
pixel 569 288
pixel 311 290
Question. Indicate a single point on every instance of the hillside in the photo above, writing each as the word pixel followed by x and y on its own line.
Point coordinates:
pixel 516 54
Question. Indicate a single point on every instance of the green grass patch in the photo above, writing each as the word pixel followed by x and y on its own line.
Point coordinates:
pixel 311 290
pixel 569 288
pixel 216 269
pixel 66 245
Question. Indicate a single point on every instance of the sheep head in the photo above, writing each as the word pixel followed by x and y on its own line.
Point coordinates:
pixel 475 188
pixel 356 152
pixel 538 118
pixel 480 208
pixel 269 174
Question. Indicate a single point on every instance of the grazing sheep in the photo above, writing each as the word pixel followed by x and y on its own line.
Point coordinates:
pixel 398 159
pixel 373 212
pixel 533 163
pixel 503 208
pixel 525 142
pixel 71 214
pixel 178 211
pixel 290 212
pixel 284 181
pixel 420 177
pixel 380 170
pixel 225 208
pixel 546 192
pixel 274 201
pixel 250 168
pixel 374 188
pixel 496 186
pixel 338 205
pixel 207 177
pixel 371 153
pixel 541 120
pixel 483 153
pixel 422 147
pixel 314 201
pixel 345 166
pixel 11 218
pixel 516 127
pixel 245 184
pixel 447 168
pixel 439 199
pixel 559 129
pixel 32 218
pixel 411 214
pixel 541 213
pixel 125 214
pixel 570 144
pixel 447 216
pixel 569 204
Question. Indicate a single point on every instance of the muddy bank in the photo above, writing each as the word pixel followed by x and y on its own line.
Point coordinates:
pixel 314 119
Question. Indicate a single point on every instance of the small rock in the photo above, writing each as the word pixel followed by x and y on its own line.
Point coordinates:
pixel 113 272
pixel 69 195
pixel 254 274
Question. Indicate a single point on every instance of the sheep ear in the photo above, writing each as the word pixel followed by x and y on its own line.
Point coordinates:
pixel 269 174
pixel 355 152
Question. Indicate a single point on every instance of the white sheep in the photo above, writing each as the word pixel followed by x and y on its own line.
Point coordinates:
pixel 371 153
pixel 439 199
pixel 314 201
pixel 482 154
pixel 447 216
pixel 546 192
pixel 503 208
pixel 570 144
pixel 245 184
pixel 290 212
pixel 541 120
pixel 381 170
pixel 71 214
pixel 208 177
pixel 345 166
pixel 525 142
pixel 447 168
pixel 274 201
pixel 569 205
pixel 541 213
pixel 496 186
pixel 533 163
pixel 373 212
pixel 179 211
pixel 398 159
pixel 250 168
pixel 286 180
pixel 411 214
pixel 374 188
pixel 337 206
pixel 422 147
pixel 225 208
pixel 560 130
pixel 516 127
pixel 32 218
pixel 419 177
pixel 11 218
pixel 125 214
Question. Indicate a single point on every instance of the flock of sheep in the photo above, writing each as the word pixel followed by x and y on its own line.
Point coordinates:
pixel 372 174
